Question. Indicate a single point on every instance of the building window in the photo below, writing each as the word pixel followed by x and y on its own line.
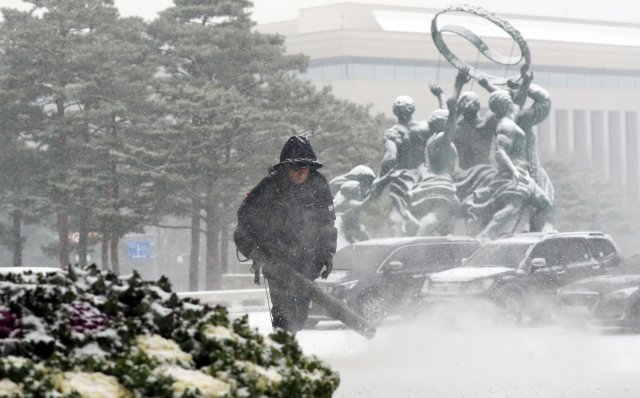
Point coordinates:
pixel 360 71
pixel 378 69
pixel 384 72
pixel 425 73
pixel 334 71
pixel 405 72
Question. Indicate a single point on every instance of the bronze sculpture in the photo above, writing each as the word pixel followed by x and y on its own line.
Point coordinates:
pixel 484 170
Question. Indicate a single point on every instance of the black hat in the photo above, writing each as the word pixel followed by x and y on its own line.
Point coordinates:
pixel 298 150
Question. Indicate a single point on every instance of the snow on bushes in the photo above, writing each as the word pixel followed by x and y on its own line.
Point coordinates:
pixel 88 333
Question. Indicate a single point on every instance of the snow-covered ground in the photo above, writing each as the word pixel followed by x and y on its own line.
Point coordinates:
pixel 468 355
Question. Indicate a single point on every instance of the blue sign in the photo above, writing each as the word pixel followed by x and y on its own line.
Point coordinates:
pixel 140 250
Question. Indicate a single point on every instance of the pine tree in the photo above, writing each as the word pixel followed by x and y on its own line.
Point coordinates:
pixel 116 115
pixel 21 199
pixel 234 98
pixel 88 71
pixel 215 64
pixel 50 46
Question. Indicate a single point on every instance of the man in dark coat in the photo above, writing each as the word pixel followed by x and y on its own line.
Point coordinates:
pixel 289 216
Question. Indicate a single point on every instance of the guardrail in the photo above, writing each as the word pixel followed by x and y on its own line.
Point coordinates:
pixel 239 300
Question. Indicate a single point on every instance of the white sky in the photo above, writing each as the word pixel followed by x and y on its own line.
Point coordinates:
pixel 275 10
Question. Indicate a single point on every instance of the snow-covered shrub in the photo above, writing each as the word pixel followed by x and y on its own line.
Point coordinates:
pixel 88 333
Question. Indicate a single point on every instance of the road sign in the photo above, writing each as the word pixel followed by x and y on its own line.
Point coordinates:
pixel 140 250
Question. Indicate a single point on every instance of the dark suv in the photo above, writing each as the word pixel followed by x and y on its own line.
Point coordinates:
pixel 377 276
pixel 517 270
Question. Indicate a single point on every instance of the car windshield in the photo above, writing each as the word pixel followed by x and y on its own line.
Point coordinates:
pixel 361 258
pixel 499 255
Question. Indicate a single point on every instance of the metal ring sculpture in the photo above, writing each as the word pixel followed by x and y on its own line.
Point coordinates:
pixel 478 43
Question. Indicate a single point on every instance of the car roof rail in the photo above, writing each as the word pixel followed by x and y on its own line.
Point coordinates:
pixel 458 237
pixel 512 234
pixel 552 233
pixel 530 233
pixel 583 233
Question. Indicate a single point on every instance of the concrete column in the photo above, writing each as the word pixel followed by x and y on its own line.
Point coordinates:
pixel 563 135
pixel 599 152
pixel 616 153
pixel 580 138
pixel 633 174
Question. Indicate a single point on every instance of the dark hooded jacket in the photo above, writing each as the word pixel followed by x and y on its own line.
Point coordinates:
pixel 293 223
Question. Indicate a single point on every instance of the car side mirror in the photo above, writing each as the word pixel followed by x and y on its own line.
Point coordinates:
pixel 538 263
pixel 394 267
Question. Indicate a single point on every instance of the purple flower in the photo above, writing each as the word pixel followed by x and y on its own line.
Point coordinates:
pixel 84 317
pixel 9 323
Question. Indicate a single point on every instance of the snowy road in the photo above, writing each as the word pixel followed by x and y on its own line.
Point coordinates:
pixel 442 357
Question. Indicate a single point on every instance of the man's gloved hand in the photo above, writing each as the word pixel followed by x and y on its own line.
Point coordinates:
pixel 257 256
pixel 255 268
pixel 327 262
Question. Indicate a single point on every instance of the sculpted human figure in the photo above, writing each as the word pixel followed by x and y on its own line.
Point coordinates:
pixel 503 201
pixel 348 204
pixel 405 141
pixel 526 119
pixel 471 150
pixel 473 139
pixel 433 202
pixel 351 195
pixel 403 162
pixel 364 175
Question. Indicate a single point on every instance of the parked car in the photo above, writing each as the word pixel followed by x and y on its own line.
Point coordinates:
pixel 522 272
pixel 612 299
pixel 377 276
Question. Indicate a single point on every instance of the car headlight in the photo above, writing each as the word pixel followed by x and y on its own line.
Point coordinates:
pixel 480 286
pixel 621 294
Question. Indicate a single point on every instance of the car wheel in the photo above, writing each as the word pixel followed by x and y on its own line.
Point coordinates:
pixel 513 305
pixel 371 307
